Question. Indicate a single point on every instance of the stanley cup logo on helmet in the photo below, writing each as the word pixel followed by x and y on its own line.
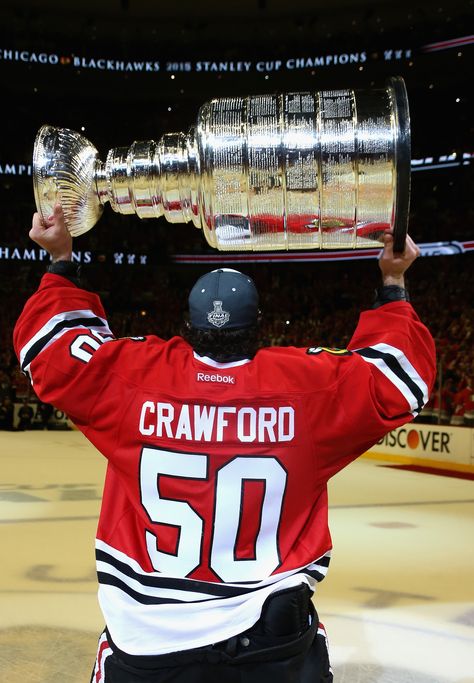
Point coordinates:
pixel 218 317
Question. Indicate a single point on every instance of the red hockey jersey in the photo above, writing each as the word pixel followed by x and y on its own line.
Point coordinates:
pixel 215 493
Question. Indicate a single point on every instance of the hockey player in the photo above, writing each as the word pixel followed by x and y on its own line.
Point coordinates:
pixel 213 531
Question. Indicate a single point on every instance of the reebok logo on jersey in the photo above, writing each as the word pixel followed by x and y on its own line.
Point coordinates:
pixel 218 379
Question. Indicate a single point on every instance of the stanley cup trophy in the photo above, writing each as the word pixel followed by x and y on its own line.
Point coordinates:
pixel 306 170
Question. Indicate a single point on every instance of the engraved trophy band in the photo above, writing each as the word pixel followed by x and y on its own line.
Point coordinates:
pixel 307 170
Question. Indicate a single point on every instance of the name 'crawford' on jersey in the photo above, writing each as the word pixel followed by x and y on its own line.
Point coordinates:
pixel 217 423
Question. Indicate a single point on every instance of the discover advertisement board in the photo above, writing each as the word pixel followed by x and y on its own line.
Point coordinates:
pixel 443 444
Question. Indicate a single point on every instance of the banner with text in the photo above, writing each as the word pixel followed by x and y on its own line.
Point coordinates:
pixel 122 258
pixel 443 443
pixel 155 64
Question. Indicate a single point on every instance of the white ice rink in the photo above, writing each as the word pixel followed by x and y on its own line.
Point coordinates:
pixel 398 601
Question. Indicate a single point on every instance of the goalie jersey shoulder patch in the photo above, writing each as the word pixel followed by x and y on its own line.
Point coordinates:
pixel 316 350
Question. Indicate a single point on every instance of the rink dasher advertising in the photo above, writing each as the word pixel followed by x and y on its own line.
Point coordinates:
pixel 444 444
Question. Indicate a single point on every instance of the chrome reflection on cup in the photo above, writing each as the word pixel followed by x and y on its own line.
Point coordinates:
pixel 65 166
pixel 327 170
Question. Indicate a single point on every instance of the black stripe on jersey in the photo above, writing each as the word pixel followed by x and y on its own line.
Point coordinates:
pixel 392 363
pixel 317 576
pixel 110 580
pixel 216 590
pixel 64 324
pixel 323 561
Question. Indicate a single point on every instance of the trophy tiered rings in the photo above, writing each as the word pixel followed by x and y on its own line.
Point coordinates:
pixel 306 170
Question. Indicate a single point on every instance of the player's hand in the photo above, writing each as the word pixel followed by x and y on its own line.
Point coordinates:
pixel 394 265
pixel 52 235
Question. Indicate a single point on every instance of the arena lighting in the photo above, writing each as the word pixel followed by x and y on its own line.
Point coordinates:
pixel 443 161
pixel 448 44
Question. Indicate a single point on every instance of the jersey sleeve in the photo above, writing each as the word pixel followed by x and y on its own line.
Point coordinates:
pixel 400 354
pixel 382 383
pixel 58 332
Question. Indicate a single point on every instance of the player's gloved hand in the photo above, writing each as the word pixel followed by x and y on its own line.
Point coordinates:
pixel 393 265
pixel 52 235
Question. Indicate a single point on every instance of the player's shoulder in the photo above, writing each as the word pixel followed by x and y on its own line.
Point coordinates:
pixel 297 354
pixel 146 360
pixel 151 339
pixel 136 347
pixel 302 368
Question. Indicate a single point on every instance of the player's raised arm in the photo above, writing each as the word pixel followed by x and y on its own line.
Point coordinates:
pixel 386 378
pixel 52 235
pixel 394 265
pixel 61 327
pixel 392 340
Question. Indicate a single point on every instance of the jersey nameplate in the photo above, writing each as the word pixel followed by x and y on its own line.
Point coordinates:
pixel 190 422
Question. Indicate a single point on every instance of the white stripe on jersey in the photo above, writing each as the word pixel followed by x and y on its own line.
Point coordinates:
pixel 215 364
pixel 158 629
pixel 322 632
pixel 56 321
pixel 103 651
pixel 163 593
pixel 321 565
pixel 397 381
pixel 154 626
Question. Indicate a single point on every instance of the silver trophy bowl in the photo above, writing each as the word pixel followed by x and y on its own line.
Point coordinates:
pixel 64 170
pixel 307 170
